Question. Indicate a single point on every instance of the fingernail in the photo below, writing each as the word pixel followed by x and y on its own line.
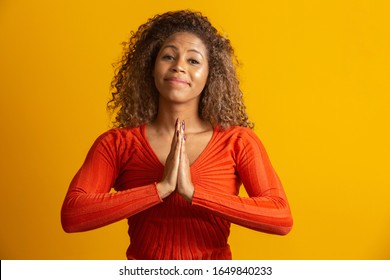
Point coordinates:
pixel 182 125
pixel 185 137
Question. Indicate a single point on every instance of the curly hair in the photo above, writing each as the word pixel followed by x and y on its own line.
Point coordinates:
pixel 134 94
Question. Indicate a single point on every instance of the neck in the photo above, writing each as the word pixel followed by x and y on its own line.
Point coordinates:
pixel 167 116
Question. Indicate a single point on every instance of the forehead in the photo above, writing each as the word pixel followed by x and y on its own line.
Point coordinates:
pixel 185 40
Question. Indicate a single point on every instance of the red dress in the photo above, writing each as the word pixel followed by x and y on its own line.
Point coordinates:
pixel 173 228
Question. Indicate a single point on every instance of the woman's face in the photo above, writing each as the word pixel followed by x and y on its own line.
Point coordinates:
pixel 181 68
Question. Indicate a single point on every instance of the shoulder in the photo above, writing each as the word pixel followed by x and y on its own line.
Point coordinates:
pixel 121 133
pixel 236 133
pixel 118 138
pixel 117 145
pixel 239 138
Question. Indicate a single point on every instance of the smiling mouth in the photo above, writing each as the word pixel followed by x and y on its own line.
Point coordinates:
pixel 176 81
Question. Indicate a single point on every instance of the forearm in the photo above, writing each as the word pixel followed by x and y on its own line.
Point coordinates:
pixel 83 211
pixel 270 214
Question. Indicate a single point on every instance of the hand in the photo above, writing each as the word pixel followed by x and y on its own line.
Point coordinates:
pixel 184 183
pixel 177 175
pixel 169 180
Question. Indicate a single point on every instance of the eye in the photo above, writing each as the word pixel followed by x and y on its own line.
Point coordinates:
pixel 168 57
pixel 193 61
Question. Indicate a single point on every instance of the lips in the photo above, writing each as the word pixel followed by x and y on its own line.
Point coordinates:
pixel 176 80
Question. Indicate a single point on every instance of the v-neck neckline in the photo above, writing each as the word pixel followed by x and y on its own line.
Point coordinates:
pixel 195 162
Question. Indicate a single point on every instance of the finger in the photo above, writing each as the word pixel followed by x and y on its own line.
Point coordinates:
pixel 185 187
pixel 182 126
pixel 174 138
pixel 183 154
pixel 183 134
pixel 174 142
pixel 175 149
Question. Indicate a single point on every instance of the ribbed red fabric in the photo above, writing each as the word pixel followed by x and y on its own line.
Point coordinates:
pixel 174 228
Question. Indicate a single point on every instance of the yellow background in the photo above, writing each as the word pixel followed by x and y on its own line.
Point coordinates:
pixel 316 80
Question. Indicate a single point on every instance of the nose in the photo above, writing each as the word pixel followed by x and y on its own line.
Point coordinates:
pixel 178 66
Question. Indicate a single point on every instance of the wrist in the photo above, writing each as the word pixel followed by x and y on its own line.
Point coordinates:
pixel 163 190
pixel 191 196
pixel 188 194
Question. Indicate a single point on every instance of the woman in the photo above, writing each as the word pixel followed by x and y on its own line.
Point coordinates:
pixel 181 148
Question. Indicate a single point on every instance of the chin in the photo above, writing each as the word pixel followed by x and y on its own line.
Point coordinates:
pixel 180 98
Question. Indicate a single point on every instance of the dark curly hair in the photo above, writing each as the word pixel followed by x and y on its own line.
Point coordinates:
pixel 134 94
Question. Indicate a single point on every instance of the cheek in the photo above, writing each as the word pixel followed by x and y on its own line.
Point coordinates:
pixel 158 67
pixel 201 75
pixel 157 73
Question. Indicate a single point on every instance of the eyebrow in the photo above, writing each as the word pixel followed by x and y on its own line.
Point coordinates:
pixel 175 48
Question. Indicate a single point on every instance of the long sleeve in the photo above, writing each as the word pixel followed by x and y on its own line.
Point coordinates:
pixel 266 209
pixel 117 181
pixel 89 202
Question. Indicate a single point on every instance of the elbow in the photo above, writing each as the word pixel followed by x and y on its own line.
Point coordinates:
pixel 286 227
pixel 66 224
pixel 67 228
pixel 69 218
pixel 286 223
pixel 274 226
pixel 285 230
pixel 280 226
pixel 71 227
pixel 280 230
pixel 71 223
